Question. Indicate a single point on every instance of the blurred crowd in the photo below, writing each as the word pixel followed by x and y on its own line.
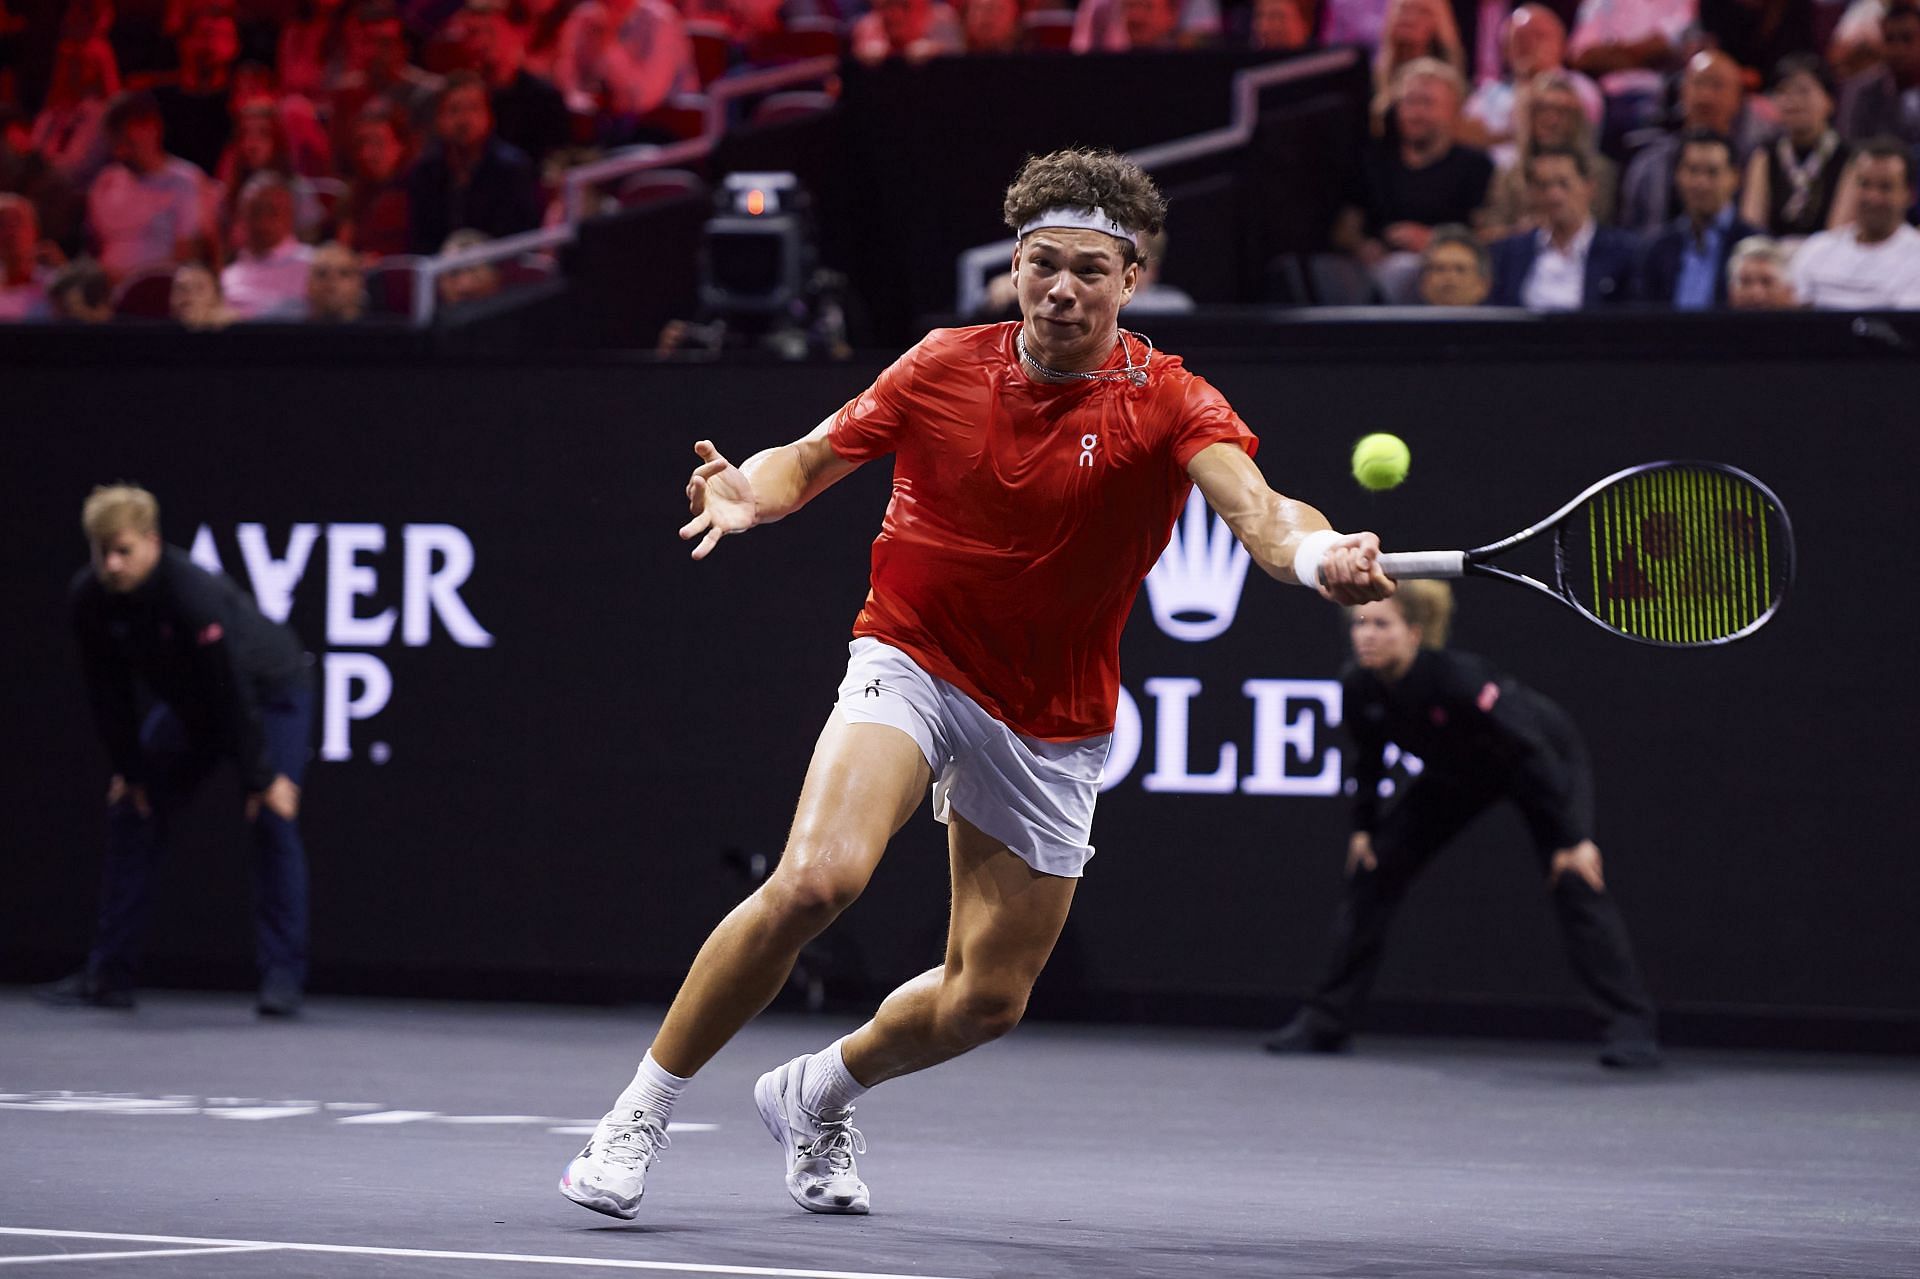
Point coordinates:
pixel 222 160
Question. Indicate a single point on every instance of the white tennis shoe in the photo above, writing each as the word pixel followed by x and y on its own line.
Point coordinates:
pixel 820 1148
pixel 610 1174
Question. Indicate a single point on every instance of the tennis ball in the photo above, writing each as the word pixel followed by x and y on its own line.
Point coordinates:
pixel 1380 461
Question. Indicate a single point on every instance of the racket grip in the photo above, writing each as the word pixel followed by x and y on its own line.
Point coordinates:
pixel 1402 564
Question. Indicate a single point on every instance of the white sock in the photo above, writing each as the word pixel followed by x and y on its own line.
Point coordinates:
pixel 826 1084
pixel 654 1090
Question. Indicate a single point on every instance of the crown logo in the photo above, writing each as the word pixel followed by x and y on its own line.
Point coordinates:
pixel 1195 587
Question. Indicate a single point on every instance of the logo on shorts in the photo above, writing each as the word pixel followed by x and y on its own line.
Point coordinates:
pixel 1195 587
pixel 872 689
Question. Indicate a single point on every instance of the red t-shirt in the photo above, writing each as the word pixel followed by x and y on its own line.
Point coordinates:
pixel 1024 518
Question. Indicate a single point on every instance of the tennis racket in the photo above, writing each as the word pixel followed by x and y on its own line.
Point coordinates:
pixel 1676 554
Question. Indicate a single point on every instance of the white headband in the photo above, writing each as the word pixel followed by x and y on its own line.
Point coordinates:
pixel 1094 219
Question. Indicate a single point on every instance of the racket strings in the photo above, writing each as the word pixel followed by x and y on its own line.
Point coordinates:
pixel 1678 555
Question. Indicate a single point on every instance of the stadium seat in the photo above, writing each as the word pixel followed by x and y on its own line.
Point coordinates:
pixel 800 39
pixel 145 294
pixel 390 284
pixel 712 50
pixel 795 104
pixel 683 116
pixel 650 186
pixel 1049 30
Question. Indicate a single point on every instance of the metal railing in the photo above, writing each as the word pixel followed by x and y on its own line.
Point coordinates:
pixel 580 180
pixel 975 264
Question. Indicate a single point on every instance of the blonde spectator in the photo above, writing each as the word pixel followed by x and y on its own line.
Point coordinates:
pixel 1758 278
pixel 1533 43
pixel 1414 30
pixel 1550 113
pixel 471 283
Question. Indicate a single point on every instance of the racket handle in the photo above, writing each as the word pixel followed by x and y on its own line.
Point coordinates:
pixel 1403 564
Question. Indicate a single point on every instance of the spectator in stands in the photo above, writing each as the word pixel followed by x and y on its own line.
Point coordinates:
pixel 336 286
pixel 624 58
pixel 1758 33
pixel 260 146
pixel 195 302
pixel 1152 296
pixel 1533 43
pixel 1415 29
pixel 1551 115
pixel 1757 276
pixel 147 207
pixel 374 216
pixel 537 25
pixel 60 205
pixel 992 26
pixel 470 283
pixel 1279 26
pixel 195 107
pixel 378 70
pixel 468 177
pixel 267 278
pixel 1409 185
pixel 1855 45
pixel 1120 26
pixel 24 268
pixel 81 293
pixel 1569 263
pixel 911 29
pixel 1873 262
pixel 1793 185
pixel 1456 269
pixel 1886 100
pixel 527 111
pixel 313 48
pixel 1686 265
pixel 1711 98
pixel 71 129
pixel 309 146
pixel 1358 22
pixel 1628 46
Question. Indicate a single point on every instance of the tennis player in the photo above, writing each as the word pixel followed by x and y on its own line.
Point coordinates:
pixel 1039 466
pixel 1480 737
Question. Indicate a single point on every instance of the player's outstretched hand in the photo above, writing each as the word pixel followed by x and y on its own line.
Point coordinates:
pixel 1350 571
pixel 721 498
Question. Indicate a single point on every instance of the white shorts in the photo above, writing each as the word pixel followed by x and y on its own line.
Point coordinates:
pixel 1034 796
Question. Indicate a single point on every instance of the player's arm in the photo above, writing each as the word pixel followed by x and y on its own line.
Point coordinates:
pixel 1289 540
pixel 770 485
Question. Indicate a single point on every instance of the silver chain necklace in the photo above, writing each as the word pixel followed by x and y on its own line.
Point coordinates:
pixel 1136 374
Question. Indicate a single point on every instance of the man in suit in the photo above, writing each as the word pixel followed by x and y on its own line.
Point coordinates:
pixel 1568 263
pixel 1686 265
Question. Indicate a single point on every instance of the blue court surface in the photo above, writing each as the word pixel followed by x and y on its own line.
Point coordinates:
pixel 420 1139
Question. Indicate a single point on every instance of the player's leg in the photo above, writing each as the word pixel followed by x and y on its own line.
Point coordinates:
pixel 864 781
pixel 280 861
pixel 1591 927
pixel 1415 826
pixel 1006 917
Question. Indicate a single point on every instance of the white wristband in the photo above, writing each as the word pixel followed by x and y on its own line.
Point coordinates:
pixel 1306 559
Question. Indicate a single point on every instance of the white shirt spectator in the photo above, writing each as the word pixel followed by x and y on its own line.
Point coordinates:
pixel 26 301
pixel 1833 271
pixel 138 221
pixel 268 285
pixel 1601 22
pixel 1558 280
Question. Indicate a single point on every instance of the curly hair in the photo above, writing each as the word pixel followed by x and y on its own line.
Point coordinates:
pixel 1087 179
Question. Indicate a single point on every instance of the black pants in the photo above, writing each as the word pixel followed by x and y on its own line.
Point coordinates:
pixel 136 845
pixel 1431 811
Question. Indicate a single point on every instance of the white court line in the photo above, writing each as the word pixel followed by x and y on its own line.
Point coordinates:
pixel 145 1252
pixel 432 1254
